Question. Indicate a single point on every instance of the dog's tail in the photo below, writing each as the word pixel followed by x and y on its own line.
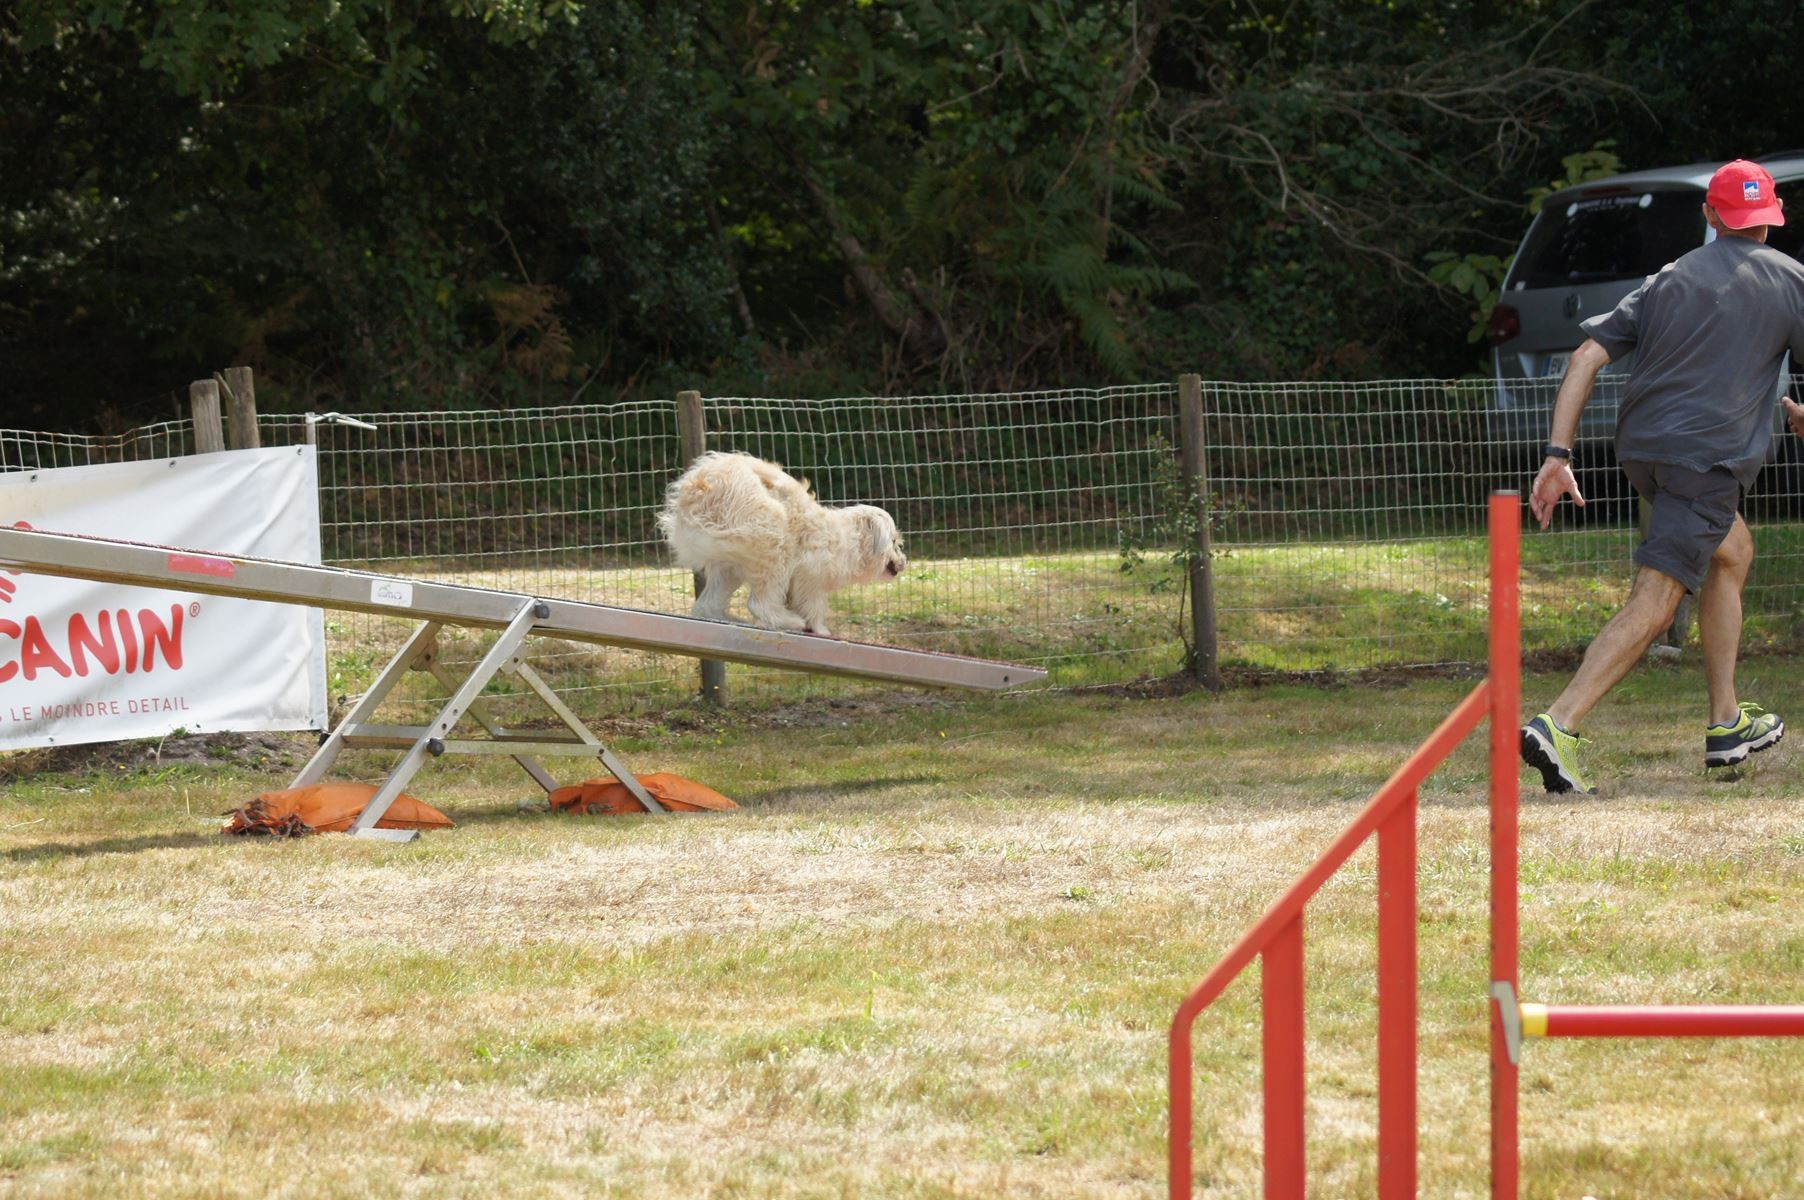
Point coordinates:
pixel 727 495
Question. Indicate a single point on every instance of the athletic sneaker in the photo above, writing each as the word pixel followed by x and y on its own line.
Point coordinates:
pixel 1554 752
pixel 1725 745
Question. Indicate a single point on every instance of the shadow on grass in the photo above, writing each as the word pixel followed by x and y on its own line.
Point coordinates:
pixel 802 794
pixel 796 794
pixel 536 810
pixel 111 845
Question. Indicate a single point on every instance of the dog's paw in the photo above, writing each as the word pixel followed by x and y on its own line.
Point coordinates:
pixel 786 621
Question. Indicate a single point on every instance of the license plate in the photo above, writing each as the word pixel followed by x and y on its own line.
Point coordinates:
pixel 1555 364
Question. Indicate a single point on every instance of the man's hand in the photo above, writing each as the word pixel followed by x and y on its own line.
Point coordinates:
pixel 1794 414
pixel 1555 479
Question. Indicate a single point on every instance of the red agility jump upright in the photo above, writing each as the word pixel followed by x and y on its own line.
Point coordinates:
pixel 1277 940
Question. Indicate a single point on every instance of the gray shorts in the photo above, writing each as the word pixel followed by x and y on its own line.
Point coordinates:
pixel 1693 512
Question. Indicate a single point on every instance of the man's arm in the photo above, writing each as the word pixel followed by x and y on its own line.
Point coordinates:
pixel 1555 478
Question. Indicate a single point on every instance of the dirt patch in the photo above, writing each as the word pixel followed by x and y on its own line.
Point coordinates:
pixel 1181 683
pixel 249 751
pixel 1237 678
pixel 818 712
pixel 287 752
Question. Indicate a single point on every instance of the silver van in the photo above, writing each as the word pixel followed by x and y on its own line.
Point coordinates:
pixel 1591 245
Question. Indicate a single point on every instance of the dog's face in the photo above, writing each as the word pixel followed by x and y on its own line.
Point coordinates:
pixel 882 555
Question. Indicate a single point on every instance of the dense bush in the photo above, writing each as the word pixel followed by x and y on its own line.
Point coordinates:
pixel 456 203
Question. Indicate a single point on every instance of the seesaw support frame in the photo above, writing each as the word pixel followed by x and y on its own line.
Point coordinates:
pixel 517 616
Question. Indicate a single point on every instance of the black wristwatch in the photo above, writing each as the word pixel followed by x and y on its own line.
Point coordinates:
pixel 1552 451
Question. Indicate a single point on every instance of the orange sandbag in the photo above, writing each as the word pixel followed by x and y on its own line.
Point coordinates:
pixel 602 797
pixel 328 808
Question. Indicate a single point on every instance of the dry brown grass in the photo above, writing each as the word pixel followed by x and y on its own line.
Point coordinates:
pixel 933 956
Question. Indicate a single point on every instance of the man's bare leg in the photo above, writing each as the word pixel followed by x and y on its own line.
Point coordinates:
pixel 1620 644
pixel 1719 620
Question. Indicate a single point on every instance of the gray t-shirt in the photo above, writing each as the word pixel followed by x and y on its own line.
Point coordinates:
pixel 1710 332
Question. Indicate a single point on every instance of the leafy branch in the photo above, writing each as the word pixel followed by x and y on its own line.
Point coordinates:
pixel 1184 510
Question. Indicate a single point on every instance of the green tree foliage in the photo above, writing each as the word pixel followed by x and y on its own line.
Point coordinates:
pixel 453 202
pixel 1324 148
pixel 404 205
pixel 976 170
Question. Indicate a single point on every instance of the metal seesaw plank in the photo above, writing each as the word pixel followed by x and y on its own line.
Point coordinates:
pixel 110 560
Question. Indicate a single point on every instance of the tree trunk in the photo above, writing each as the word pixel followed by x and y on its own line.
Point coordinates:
pixel 918 335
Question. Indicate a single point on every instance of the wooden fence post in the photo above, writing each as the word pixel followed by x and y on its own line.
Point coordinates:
pixel 692 436
pixel 242 395
pixel 203 408
pixel 1193 463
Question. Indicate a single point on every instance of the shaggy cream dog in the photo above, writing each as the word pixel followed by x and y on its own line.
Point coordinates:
pixel 743 522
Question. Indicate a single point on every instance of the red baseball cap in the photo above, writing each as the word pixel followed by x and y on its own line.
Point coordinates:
pixel 1742 194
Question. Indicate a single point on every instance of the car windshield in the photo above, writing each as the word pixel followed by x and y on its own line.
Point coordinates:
pixel 1621 235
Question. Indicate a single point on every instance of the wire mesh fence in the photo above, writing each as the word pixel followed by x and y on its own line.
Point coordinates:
pixel 1348 523
pixel 1013 508
pixel 1346 518
pixel 546 501
pixel 24 450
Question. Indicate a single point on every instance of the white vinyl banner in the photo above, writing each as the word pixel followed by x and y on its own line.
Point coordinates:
pixel 92 662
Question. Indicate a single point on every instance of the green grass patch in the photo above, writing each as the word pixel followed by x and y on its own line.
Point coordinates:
pixel 934 954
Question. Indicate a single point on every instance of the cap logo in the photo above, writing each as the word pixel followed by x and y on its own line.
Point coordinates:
pixel 1750 191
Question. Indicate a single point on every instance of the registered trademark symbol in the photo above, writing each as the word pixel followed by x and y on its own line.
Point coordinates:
pixel 194 608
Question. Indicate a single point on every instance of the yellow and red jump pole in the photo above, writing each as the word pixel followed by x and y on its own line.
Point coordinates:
pixel 1703 1020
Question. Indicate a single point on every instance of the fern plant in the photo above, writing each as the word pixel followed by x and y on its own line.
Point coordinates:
pixel 1062 244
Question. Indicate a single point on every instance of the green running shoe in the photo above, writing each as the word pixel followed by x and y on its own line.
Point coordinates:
pixel 1554 752
pixel 1726 745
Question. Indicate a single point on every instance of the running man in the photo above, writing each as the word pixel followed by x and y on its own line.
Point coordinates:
pixel 1710 334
